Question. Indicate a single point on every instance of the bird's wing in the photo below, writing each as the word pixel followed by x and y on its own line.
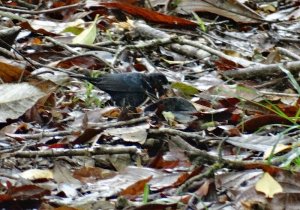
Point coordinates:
pixel 120 82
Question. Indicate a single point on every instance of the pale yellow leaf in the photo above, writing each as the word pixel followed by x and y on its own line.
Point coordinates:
pixel 33 174
pixel 278 148
pixel 88 35
pixel 268 185
pixel 169 116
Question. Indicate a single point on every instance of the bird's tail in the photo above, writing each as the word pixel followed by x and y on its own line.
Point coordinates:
pixel 87 78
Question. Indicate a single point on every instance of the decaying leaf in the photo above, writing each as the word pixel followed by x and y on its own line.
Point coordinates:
pixel 130 134
pixel 16 99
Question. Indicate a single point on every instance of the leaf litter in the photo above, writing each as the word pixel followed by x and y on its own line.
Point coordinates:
pixel 224 134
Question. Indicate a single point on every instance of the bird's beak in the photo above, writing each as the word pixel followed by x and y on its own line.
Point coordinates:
pixel 167 86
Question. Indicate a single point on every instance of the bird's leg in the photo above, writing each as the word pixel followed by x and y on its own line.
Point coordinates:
pixel 152 96
pixel 146 101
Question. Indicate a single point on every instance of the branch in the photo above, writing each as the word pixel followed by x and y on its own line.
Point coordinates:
pixel 262 71
pixel 41 11
pixel 76 152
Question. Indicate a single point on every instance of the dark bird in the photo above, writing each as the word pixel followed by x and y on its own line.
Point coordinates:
pixel 129 89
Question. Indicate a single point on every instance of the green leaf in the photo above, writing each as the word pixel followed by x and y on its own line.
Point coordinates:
pixel 200 22
pixel 88 35
pixel 185 88
pixel 73 29
pixel 146 193
pixel 169 116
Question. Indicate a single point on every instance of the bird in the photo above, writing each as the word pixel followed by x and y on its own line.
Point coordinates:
pixel 130 89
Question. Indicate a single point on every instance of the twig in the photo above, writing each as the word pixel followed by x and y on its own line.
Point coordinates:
pixel 269 83
pixel 13 16
pixel 38 135
pixel 100 126
pixel 25 4
pixel 121 123
pixel 185 46
pixel 76 152
pixel 146 44
pixel 240 61
pixel 152 33
pixel 208 173
pixel 41 11
pixel 290 40
pixel 10 54
pixel 108 43
pixel 262 70
pixel 288 53
pixel 93 47
pixel 279 94
pixel 177 133
pixel 66 47
pixel 100 58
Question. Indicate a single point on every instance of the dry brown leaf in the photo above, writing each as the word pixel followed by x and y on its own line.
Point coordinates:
pixel 137 188
pixel 11 71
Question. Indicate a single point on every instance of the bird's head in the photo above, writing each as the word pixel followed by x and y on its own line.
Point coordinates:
pixel 159 82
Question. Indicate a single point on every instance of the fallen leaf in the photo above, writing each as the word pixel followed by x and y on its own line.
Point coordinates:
pixel 11 71
pixel 268 185
pixel 34 174
pixel 169 117
pixel 130 134
pixel 16 99
pixel 150 15
pixel 88 35
pixel 137 188
pixel 278 148
pixel 186 89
